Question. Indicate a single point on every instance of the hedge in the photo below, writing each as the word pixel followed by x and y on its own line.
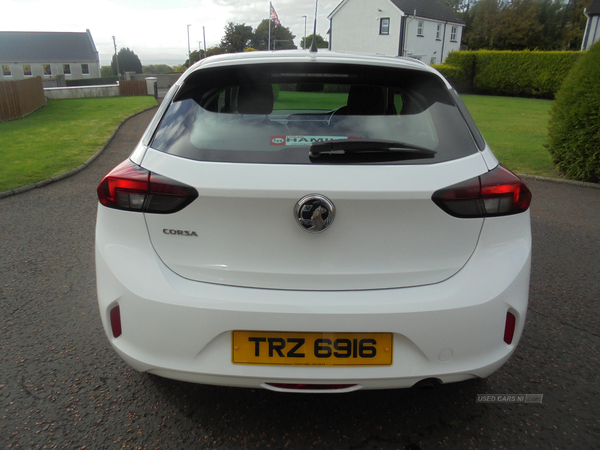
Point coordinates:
pixel 92 81
pixel 574 127
pixel 518 74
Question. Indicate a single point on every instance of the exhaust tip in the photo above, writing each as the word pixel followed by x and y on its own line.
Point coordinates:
pixel 427 383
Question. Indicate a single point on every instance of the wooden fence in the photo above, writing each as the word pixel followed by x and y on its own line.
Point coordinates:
pixel 133 88
pixel 20 98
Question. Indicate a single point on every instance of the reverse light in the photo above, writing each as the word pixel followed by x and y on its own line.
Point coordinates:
pixel 495 193
pixel 130 187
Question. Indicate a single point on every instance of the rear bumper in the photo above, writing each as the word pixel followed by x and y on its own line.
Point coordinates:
pixel 182 329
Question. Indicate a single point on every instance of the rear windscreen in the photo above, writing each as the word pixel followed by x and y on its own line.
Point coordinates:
pixel 272 113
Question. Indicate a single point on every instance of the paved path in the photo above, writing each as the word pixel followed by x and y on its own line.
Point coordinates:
pixel 62 386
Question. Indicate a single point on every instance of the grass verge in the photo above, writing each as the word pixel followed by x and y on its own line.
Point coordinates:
pixel 309 100
pixel 59 137
pixel 66 133
pixel 516 129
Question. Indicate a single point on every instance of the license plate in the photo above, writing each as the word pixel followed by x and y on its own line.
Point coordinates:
pixel 312 349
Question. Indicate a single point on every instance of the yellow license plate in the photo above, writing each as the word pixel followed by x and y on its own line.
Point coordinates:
pixel 312 349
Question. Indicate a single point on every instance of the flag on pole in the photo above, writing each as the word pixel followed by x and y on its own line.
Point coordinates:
pixel 274 17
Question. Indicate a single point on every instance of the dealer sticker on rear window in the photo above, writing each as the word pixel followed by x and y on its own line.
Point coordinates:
pixel 306 140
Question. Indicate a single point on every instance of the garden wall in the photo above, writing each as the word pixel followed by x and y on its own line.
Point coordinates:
pixel 111 90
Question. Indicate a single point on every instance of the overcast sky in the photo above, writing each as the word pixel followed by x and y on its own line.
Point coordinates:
pixel 156 30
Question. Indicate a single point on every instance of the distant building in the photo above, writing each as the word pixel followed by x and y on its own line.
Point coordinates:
pixel 26 54
pixel 591 34
pixel 423 29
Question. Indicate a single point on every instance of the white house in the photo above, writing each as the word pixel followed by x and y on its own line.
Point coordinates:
pixel 592 27
pixel 423 29
pixel 26 54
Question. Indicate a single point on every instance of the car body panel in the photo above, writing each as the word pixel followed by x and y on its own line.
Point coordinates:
pixel 425 320
pixel 174 286
pixel 387 233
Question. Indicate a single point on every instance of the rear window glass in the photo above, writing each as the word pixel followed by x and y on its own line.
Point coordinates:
pixel 272 113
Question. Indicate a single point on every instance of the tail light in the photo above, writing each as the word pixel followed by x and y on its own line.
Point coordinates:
pixel 132 188
pixel 496 193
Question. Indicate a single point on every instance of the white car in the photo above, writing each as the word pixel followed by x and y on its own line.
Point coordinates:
pixel 313 222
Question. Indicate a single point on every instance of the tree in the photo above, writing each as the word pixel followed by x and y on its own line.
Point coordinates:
pixel 128 62
pixel 216 50
pixel 281 37
pixel 157 69
pixel 523 24
pixel 321 43
pixel 573 24
pixel 459 6
pixel 519 26
pixel 195 56
pixel 551 18
pixel 106 71
pixel 484 21
pixel 237 37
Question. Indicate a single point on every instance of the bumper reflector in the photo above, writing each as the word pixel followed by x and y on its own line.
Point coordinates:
pixel 509 328
pixel 115 321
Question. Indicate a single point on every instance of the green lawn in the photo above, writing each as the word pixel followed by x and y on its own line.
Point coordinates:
pixel 65 133
pixel 516 129
pixel 60 136
pixel 309 100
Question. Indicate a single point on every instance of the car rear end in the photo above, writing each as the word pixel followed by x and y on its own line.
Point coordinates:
pixel 313 222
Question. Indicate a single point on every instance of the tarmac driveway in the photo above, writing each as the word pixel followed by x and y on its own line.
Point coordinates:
pixel 62 386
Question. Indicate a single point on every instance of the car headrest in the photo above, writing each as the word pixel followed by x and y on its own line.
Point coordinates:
pixel 367 101
pixel 255 99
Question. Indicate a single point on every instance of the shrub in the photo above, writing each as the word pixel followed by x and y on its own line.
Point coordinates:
pixel 518 74
pixel 465 64
pixel 92 81
pixel 455 75
pixel 574 126
pixel 523 74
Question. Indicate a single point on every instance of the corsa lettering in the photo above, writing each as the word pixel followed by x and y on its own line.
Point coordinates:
pixel 179 232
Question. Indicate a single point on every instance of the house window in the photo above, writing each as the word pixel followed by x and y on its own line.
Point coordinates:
pixel 47 70
pixel 85 69
pixel 432 61
pixel 438 32
pixel 453 34
pixel 27 70
pixel 6 71
pixel 384 26
pixel 420 28
pixel 67 69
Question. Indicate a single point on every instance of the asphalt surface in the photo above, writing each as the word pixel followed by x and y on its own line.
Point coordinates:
pixel 63 387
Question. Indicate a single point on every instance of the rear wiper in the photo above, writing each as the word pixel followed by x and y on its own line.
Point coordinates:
pixel 345 146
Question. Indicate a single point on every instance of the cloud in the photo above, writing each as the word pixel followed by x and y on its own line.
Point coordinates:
pixel 155 29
